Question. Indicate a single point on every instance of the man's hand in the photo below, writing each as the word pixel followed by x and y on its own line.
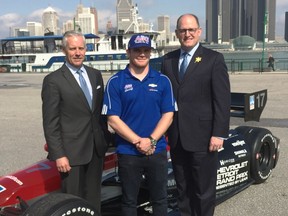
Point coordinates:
pixel 63 165
pixel 144 146
pixel 216 143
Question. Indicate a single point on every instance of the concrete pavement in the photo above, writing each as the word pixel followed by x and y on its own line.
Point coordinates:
pixel 21 135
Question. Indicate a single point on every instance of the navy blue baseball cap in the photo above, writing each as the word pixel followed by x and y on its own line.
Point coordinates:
pixel 139 40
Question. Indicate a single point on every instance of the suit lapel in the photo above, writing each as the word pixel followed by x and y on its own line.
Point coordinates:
pixel 175 68
pixel 93 81
pixel 194 63
pixel 74 85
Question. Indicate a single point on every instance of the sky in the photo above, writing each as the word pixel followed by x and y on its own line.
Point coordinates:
pixel 15 13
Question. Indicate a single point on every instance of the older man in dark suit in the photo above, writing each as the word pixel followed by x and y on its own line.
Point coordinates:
pixel 202 91
pixel 75 133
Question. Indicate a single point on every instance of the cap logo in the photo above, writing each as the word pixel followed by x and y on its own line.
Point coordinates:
pixel 141 39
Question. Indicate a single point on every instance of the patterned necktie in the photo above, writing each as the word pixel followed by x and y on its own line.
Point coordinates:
pixel 183 65
pixel 84 87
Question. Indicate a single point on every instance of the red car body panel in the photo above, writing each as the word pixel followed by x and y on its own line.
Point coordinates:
pixel 37 180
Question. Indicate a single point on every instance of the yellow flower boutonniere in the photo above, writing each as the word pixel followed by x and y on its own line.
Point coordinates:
pixel 198 59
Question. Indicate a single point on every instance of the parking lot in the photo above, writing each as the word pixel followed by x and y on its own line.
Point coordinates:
pixel 22 140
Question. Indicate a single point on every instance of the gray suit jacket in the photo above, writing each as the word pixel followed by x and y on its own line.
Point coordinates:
pixel 203 99
pixel 71 128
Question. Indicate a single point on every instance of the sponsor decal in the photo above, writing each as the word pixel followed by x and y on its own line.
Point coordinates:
pixel 268 135
pixel 222 149
pixel 152 87
pixel 264 176
pixel 77 210
pixel 41 166
pixel 147 208
pixel 231 135
pixel 153 90
pixel 2 188
pixel 15 179
pixel 238 143
pixel 171 183
pixel 223 162
pixel 252 102
pixel 232 175
pixel 241 153
pixel 128 87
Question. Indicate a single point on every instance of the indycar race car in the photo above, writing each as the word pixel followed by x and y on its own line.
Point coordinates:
pixel 248 156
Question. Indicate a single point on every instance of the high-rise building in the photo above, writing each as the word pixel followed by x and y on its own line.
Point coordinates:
pixel 85 20
pixel 262 18
pixel 34 28
pixel 109 27
pixel 124 16
pixel 286 27
pixel 20 32
pixel 68 25
pixel 228 19
pixel 94 12
pixel 164 25
pixel 50 21
pixel 142 26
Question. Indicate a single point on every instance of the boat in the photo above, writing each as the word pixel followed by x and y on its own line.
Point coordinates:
pixel 43 53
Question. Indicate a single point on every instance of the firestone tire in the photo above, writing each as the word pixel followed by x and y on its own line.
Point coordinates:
pixel 262 146
pixel 59 204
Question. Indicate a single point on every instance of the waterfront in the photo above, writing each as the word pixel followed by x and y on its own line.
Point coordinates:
pixel 236 61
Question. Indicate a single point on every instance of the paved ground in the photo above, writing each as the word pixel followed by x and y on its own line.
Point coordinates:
pixel 21 135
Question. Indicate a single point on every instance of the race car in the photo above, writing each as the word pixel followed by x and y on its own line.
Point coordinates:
pixel 248 156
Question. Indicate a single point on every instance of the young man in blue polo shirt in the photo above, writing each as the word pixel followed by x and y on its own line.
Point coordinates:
pixel 139 103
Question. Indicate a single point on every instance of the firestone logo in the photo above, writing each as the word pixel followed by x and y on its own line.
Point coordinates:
pixel 79 210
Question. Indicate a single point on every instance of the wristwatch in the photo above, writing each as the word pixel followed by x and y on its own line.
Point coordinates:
pixel 153 141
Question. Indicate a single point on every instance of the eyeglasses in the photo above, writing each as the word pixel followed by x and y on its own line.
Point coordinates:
pixel 190 30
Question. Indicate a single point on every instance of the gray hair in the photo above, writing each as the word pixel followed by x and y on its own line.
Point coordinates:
pixel 71 33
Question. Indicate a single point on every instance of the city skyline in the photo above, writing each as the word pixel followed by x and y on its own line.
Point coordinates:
pixel 149 10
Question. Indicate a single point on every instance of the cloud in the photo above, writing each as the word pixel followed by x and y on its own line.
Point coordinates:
pixel 104 16
pixel 36 15
pixel 7 21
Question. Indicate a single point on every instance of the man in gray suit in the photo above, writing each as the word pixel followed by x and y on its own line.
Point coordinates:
pixel 73 126
pixel 202 90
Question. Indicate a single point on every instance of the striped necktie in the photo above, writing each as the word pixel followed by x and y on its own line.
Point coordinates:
pixel 183 65
pixel 84 87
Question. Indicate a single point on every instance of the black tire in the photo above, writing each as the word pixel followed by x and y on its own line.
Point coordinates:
pixel 243 130
pixel 58 204
pixel 262 146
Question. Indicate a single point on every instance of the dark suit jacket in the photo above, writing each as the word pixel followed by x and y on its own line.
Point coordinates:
pixel 71 128
pixel 203 98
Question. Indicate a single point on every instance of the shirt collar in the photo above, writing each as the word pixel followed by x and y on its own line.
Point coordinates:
pixel 192 51
pixel 73 69
pixel 128 74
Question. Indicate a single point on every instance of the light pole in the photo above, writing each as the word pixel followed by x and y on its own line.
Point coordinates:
pixel 265 32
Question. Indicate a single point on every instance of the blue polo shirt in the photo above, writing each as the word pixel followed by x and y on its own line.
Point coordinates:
pixel 140 104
